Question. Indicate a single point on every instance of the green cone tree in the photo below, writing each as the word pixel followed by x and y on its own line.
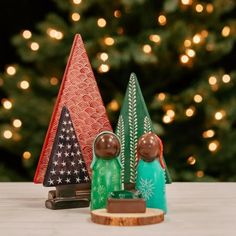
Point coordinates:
pixel 133 122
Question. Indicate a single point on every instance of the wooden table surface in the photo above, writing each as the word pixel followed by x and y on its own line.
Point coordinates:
pixel 194 209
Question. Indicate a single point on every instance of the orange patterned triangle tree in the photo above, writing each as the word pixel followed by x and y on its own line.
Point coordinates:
pixel 80 95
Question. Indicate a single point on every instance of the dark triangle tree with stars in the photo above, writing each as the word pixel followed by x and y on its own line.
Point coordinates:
pixel 66 164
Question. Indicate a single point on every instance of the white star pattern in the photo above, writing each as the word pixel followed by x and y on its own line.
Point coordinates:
pixel 78 180
pixel 59 180
pixel 63 163
pixel 58 154
pixel 53 172
pixel 66 165
pixel 55 163
pixel 51 182
pixel 80 162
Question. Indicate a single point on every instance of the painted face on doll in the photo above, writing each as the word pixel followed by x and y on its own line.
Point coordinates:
pixel 107 146
pixel 148 147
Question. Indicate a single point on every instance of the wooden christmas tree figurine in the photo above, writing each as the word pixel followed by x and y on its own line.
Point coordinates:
pixel 79 97
pixel 134 121
pixel 106 169
pixel 150 171
pixel 80 94
pixel 66 168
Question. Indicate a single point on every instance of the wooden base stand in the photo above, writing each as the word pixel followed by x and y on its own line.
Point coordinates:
pixel 56 204
pixel 151 216
pixel 68 196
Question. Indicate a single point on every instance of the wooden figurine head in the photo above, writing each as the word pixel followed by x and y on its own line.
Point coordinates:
pixel 149 147
pixel 107 146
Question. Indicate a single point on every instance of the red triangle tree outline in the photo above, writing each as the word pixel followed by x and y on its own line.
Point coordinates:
pixel 80 94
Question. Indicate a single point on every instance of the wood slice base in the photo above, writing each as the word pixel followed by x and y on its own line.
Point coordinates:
pixel 151 216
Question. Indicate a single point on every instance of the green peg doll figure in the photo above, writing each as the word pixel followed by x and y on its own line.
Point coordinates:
pixel 151 171
pixel 106 169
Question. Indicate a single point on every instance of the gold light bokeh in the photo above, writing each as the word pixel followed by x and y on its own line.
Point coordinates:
pixel 147 48
pixel 26 34
pixel 226 78
pixel 161 96
pixel 170 113
pixel 117 13
pixel 11 70
pixel 77 1
pixel 109 41
pixel 75 16
pixel 190 52
pixel 191 160
pixel 199 8
pixel 7 134
pixel 197 98
pixel 213 146
pixel 212 80
pixel 6 104
pixel 155 38
pixel 24 84
pixel 225 31
pixel 208 133
pixel 200 173
pixel 103 68
pixel 114 105
pixel 184 59
pixel 190 111
pixel 17 123
pixel 197 38
pixel 54 81
pixel 101 22
pixel 166 119
pixel 26 155
pixel 34 46
pixel 162 20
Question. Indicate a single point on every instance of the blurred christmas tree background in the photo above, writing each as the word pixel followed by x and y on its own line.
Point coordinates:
pixel 183 53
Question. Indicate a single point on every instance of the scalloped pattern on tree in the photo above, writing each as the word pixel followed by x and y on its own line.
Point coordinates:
pixel 80 94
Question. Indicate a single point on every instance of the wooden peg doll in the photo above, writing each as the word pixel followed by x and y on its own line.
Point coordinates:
pixel 106 169
pixel 150 171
